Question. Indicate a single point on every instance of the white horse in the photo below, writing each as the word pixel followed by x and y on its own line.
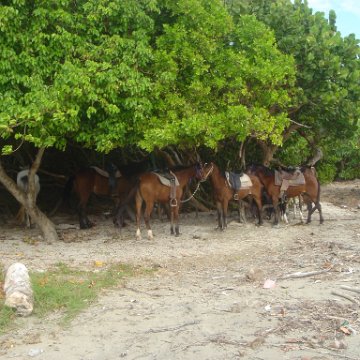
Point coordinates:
pixel 296 203
pixel 22 181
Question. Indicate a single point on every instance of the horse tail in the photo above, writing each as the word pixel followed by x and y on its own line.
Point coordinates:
pixel 318 194
pixel 65 195
pixel 122 207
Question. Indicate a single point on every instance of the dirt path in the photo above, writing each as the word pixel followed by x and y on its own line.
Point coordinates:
pixel 207 299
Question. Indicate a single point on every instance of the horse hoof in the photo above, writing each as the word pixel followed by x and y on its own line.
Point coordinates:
pixel 150 235
pixel 177 234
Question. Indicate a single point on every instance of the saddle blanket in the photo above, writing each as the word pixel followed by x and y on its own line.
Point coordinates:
pixel 237 181
pixel 292 179
pixel 165 179
pixel 105 173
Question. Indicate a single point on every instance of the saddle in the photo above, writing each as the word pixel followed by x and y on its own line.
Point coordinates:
pixel 169 179
pixel 238 181
pixel 285 179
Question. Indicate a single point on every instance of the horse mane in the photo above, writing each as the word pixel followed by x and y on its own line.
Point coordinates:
pixel 179 167
pixel 290 169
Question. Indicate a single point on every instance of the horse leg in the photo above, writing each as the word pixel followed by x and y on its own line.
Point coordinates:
pixel 318 206
pixel 85 223
pixel 283 212
pixel 147 214
pixel 138 205
pixel 241 209
pixel 309 208
pixel 300 210
pixel 224 213
pixel 172 217
pixel 176 220
pixel 276 209
pixel 219 214
pixel 259 209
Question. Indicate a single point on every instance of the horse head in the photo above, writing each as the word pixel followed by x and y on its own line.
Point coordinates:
pixel 206 171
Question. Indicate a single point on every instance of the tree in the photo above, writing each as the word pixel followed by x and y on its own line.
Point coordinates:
pixel 214 79
pixel 72 70
pixel 327 77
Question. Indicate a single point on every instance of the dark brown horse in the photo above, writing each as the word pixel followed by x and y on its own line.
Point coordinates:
pixel 151 190
pixel 223 193
pixel 90 181
pixel 310 191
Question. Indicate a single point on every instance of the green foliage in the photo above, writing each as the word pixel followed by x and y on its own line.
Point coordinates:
pixel 326 172
pixel 153 73
pixel 328 72
pixel 343 156
pixel 216 79
pixel 74 71
pixel 295 151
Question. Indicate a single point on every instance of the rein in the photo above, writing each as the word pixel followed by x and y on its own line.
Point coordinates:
pixel 198 185
pixel 192 195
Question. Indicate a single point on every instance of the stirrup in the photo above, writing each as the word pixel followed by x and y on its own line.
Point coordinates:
pixel 173 202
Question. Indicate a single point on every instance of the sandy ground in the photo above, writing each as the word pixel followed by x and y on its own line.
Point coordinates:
pixel 207 300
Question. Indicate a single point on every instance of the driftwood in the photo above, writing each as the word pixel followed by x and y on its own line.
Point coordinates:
pixel 357 290
pixel 345 297
pixel 173 328
pixel 297 275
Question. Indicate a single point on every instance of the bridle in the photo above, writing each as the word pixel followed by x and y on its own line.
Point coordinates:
pixel 203 178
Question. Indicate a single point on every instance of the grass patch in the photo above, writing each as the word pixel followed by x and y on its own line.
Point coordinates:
pixel 68 290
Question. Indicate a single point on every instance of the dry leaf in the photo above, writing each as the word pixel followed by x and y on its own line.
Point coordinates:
pixel 43 281
pixel 345 330
pixel 98 263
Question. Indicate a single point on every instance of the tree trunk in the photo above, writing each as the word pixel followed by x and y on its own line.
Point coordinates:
pixel 46 226
pixel 242 158
pixel 28 200
pixel 268 151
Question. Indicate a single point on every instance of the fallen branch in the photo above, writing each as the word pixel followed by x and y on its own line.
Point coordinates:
pixel 345 297
pixel 299 274
pixel 172 328
pixel 349 288
pixel 143 292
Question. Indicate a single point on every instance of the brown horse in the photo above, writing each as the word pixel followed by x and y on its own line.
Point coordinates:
pixel 151 190
pixel 90 181
pixel 223 193
pixel 310 191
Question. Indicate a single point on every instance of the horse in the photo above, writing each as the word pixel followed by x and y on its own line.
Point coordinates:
pixel 309 190
pixel 22 181
pixel 92 180
pixel 150 189
pixel 223 193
